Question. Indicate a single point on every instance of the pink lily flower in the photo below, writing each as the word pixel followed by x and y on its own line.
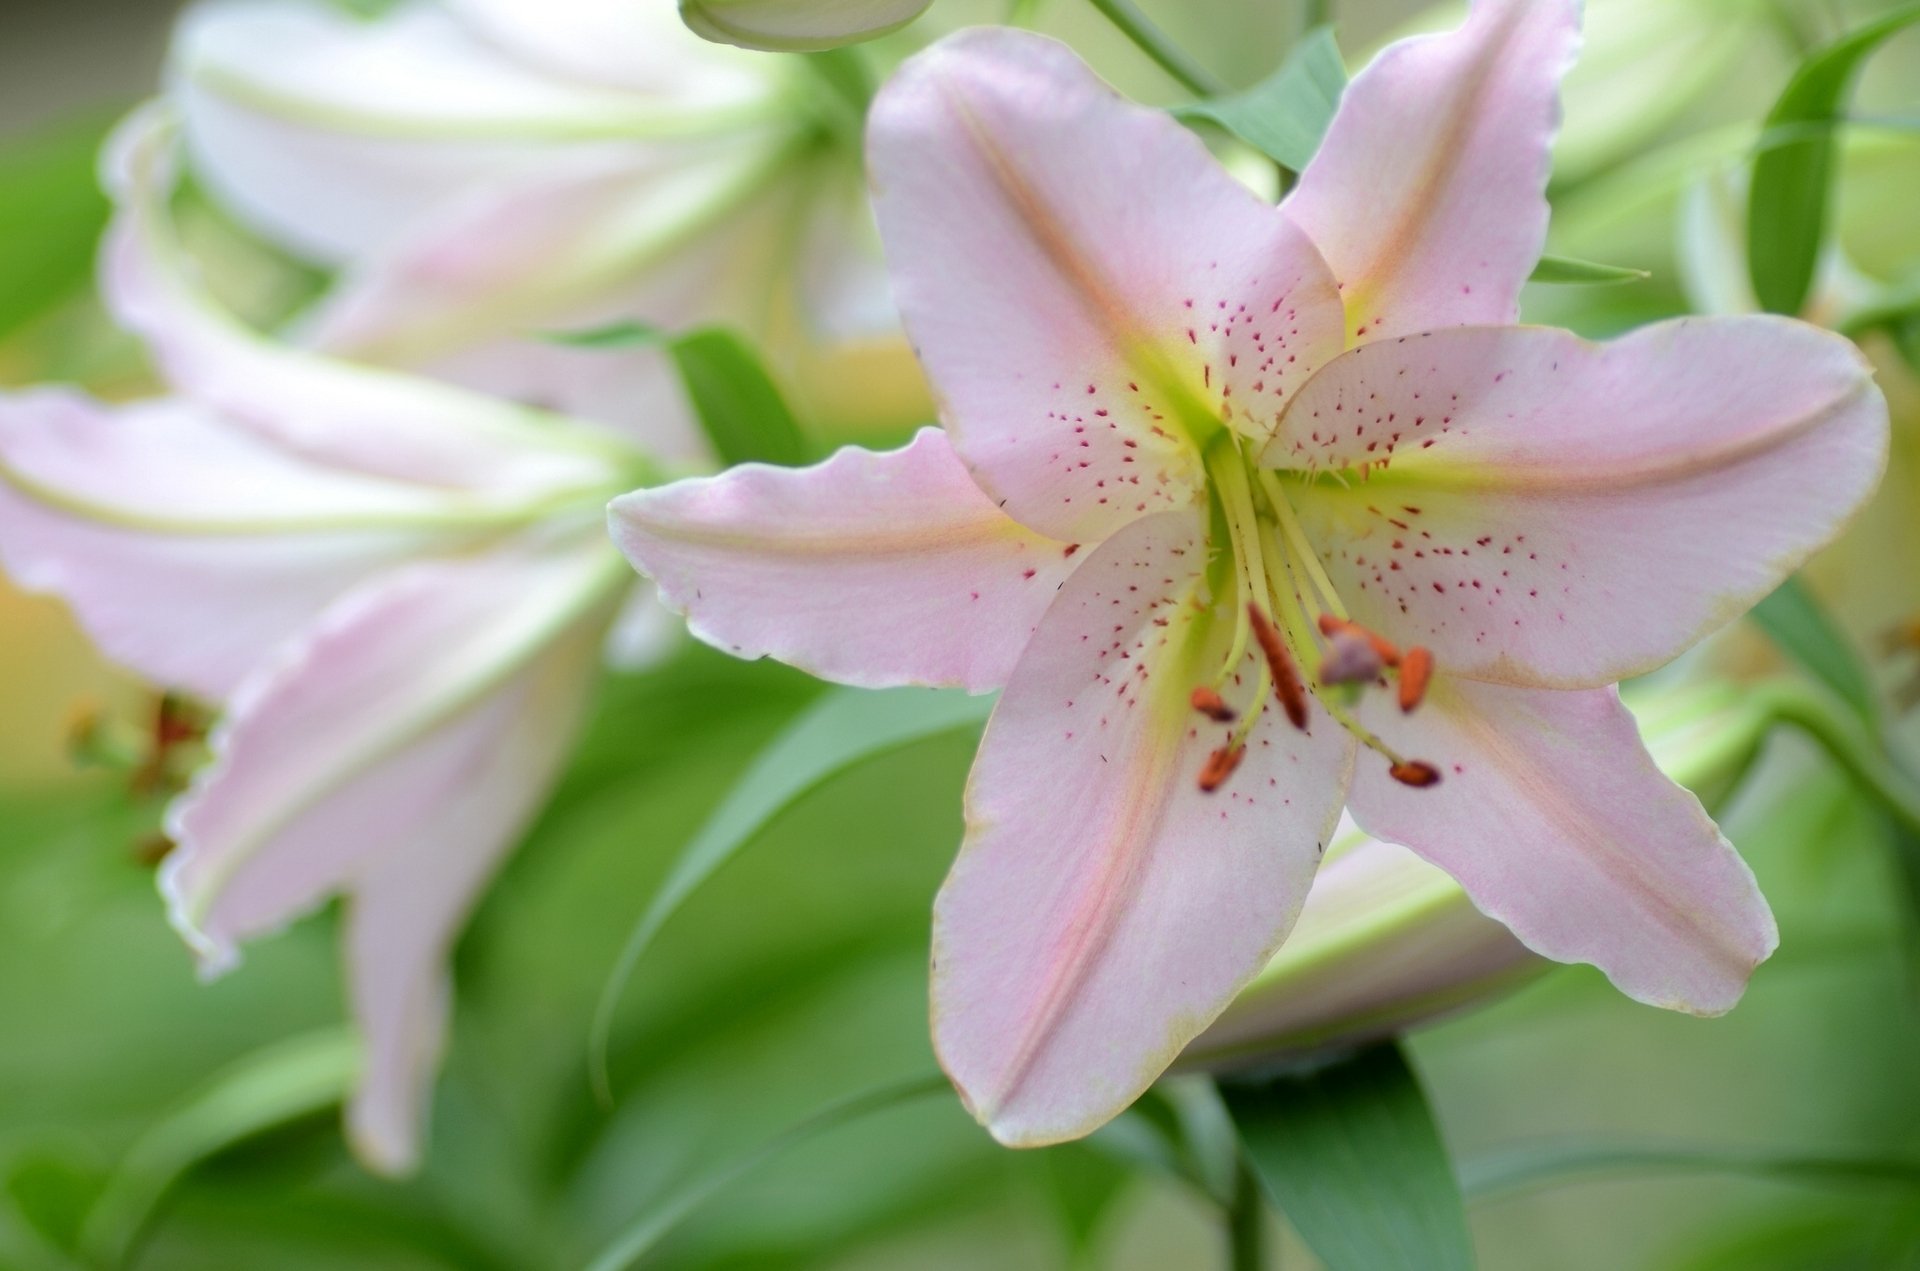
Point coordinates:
pixel 484 173
pixel 1186 435
pixel 397 590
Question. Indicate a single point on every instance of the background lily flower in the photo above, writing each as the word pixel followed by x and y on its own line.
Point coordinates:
pixel 797 24
pixel 483 174
pixel 397 590
pixel 1190 441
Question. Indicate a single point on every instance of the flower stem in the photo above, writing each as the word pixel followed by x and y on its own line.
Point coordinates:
pixel 1152 41
pixel 1247 1222
pixel 1850 745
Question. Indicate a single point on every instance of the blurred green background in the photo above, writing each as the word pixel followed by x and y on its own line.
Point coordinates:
pixel 150 1121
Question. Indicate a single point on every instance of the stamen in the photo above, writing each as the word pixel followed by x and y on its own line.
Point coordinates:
pixel 1349 660
pixel 1416 669
pixel 1287 685
pixel 1219 766
pixel 1411 772
pixel 1331 626
pixel 1213 706
pixel 1302 550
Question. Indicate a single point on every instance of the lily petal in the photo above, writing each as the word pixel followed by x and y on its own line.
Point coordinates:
pixel 1128 273
pixel 1557 822
pixel 868 569
pixel 641 47
pixel 1428 195
pixel 348 744
pixel 1563 514
pixel 187 547
pixel 1103 910
pixel 373 421
pixel 494 768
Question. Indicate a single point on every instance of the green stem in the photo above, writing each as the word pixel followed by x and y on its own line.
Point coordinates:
pixel 1247 1222
pixel 1850 744
pixel 1152 41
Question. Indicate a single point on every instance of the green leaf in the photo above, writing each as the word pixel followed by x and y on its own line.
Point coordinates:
pixel 51 215
pixel 1565 270
pixel 647 1230
pixel 842 729
pixel 1538 1165
pixel 1286 114
pixel 270 1087
pixel 739 405
pixel 1350 1154
pixel 1787 204
pixel 1795 621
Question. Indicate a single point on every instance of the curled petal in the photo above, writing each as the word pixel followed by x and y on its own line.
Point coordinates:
pixel 1428 196
pixel 797 25
pixel 188 548
pixel 1541 510
pixel 350 742
pixel 1557 823
pixel 1087 288
pixel 644 48
pixel 869 569
pixel 1104 908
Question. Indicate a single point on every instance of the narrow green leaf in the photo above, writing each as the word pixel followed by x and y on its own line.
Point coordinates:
pixel 1286 114
pixel 1795 621
pixel 656 1222
pixel 1350 1154
pixel 267 1088
pixel 1539 1165
pixel 739 405
pixel 1787 204
pixel 844 728
pixel 1565 270
pixel 625 334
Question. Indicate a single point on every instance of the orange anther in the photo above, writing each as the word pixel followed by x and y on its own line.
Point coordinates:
pixel 1212 705
pixel 1219 766
pixel 1413 773
pixel 1286 678
pixel 1416 668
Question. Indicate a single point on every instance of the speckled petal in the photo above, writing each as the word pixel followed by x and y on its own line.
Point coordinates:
pixel 868 569
pixel 1086 287
pixel 1563 514
pixel 1103 909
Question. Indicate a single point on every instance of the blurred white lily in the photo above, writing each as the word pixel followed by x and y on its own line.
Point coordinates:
pixel 485 172
pixel 397 589
pixel 798 24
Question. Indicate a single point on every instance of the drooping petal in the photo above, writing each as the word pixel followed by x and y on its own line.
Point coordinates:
pixel 347 745
pixel 644 48
pixel 868 569
pixel 1103 908
pixel 1557 822
pixel 1085 285
pixel 330 133
pixel 489 771
pixel 1565 514
pixel 798 25
pixel 188 548
pixel 1428 195
pixel 372 421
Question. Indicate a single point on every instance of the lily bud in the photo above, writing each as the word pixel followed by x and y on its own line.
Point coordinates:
pixel 797 25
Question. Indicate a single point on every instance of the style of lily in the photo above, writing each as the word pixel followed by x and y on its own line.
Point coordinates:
pixel 486 174
pixel 397 590
pixel 1196 448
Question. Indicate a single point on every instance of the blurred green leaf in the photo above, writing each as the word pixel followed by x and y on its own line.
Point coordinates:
pixel 1350 1154
pixel 51 215
pixel 282 1082
pixel 647 1229
pixel 1537 1165
pixel 1799 624
pixel 844 728
pixel 738 404
pixel 1787 203
pixel 1286 114
pixel 1569 271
